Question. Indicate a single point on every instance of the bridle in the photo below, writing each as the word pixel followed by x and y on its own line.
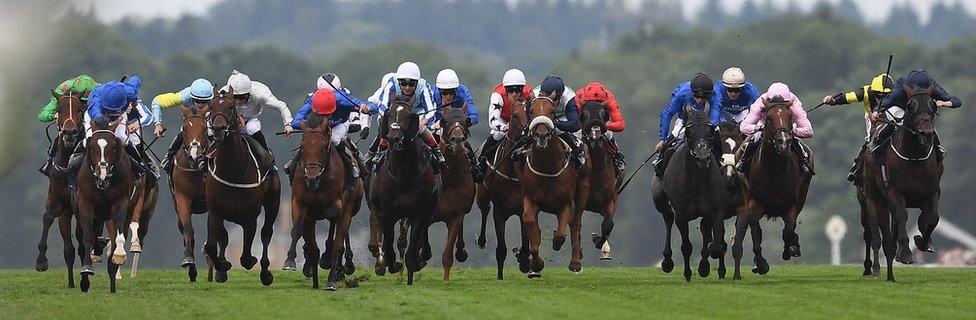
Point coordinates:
pixel 312 181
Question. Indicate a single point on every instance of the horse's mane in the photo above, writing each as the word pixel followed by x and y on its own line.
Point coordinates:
pixel 314 120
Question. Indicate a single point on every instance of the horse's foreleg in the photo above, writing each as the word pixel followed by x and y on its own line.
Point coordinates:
pixel 563 219
pixel 271 201
pixel 461 254
pixel 762 266
pixel 791 242
pixel 705 226
pixel 485 207
pixel 326 261
pixel 311 251
pixel 667 264
pixel 575 228
pixel 389 253
pixel 375 245
pixel 412 258
pixel 903 253
pixel 64 226
pixel 741 223
pixel 882 215
pixel 41 263
pixel 447 257
pixel 501 250
pixel 530 217
pixel 185 224
pixel 338 249
pixel 685 248
pixel 248 260
pixel 927 221
pixel 296 233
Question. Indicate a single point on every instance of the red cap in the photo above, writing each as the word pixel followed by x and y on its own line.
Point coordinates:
pixel 324 102
pixel 594 91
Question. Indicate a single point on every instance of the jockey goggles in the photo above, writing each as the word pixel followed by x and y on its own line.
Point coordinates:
pixel 733 90
pixel 514 89
pixel 407 82
pixel 448 92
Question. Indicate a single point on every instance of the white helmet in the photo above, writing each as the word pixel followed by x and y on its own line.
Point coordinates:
pixel 447 79
pixel 325 79
pixel 408 70
pixel 240 82
pixel 734 78
pixel 513 77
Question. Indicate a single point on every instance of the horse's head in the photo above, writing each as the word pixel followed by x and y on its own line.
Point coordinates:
pixel 315 149
pixel 542 126
pixel 104 151
pixel 70 112
pixel 921 112
pixel 698 133
pixel 518 121
pixel 194 129
pixel 778 128
pixel 454 122
pixel 223 114
pixel 403 125
pixel 732 139
pixel 595 119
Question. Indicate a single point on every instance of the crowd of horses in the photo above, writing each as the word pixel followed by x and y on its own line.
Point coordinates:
pixel 217 173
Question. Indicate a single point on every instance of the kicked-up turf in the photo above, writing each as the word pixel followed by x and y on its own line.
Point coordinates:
pixel 807 292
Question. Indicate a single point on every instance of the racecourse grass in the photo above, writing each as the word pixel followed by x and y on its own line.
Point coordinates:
pixel 795 291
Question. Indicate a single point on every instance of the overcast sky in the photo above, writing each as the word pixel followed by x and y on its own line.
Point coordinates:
pixel 113 10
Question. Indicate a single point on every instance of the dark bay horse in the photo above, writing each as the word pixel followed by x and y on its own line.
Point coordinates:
pixel 604 178
pixel 143 205
pixel 693 187
pixel 909 178
pixel 105 183
pixel 186 183
pixel 236 189
pixel 60 200
pixel 321 191
pixel 405 186
pixel 549 183
pixel 458 192
pixel 776 187
pixel 501 188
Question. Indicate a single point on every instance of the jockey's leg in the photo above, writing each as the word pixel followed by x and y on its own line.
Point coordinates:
pixel 938 147
pixel 491 143
pixel 375 152
pixel 615 154
pixel 804 154
pixel 439 161
pixel 50 157
pixel 576 148
pixel 856 167
pixel 717 146
pixel 473 166
pixel 877 146
pixel 174 147
pixel 338 134
pixel 751 145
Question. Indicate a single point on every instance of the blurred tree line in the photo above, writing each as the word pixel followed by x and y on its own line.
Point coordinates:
pixel 816 54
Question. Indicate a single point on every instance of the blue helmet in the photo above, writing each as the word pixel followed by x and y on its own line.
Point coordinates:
pixel 553 84
pixel 919 78
pixel 132 85
pixel 201 89
pixel 114 96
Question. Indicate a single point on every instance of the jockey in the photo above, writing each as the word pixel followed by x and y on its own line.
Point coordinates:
pixel 696 94
pixel 81 85
pixel 778 93
pixel 566 118
pixel 449 92
pixel 336 106
pixel 376 98
pixel 252 97
pixel 511 91
pixel 358 122
pixel 407 83
pixel 871 96
pixel 196 96
pixel 734 94
pixel 119 101
pixel 596 92
pixel 892 108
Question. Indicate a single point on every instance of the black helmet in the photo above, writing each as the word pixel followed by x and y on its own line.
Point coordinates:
pixel 701 85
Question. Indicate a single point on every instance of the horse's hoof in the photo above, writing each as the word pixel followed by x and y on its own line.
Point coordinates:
pixel 605 257
pixel 704 270
pixel 461 255
pixel 425 255
pixel 597 240
pixel 87 271
pixel 307 269
pixel 534 275
pixel 84 284
pixel 904 256
pixel 289 265
pixel 787 255
pixel 524 266
pixel 687 274
pixel 736 277
pixel 395 267
pixel 340 276
pixel 762 267
pixel 667 265
pixel 923 246
pixel 119 259
pixel 558 242
pixel 482 243
pixel 575 266
pixel 41 264
pixel 96 258
pixel 420 266
pixel 331 288
pixel 222 266
pixel 866 273
pixel 266 277
pixel 380 271
pixel 716 249
pixel 220 276
pixel 794 251
pixel 192 272
pixel 349 268
pixel 187 262
pixel 248 262
pixel 135 248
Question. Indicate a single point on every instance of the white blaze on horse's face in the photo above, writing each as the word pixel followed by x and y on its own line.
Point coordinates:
pixel 595 132
pixel 731 143
pixel 102 169
pixel 194 149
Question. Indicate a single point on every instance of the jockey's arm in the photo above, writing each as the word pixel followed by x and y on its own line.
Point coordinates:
pixel 940 94
pixel 495 121
pixel 273 102
pixel 472 109
pixel 750 125
pixel 296 122
pixel 572 122
pixel 616 123
pixel 673 107
pixel 47 113
pixel 165 101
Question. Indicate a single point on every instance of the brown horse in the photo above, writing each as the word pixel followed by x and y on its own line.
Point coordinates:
pixel 59 203
pixel 501 188
pixel 458 193
pixel 405 186
pixel 236 189
pixel 776 187
pixel 105 182
pixel 186 183
pixel 549 183
pixel 909 178
pixel 604 178
pixel 143 200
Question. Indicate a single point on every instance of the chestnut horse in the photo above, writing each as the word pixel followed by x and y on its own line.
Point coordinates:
pixel 550 183
pixel 236 189
pixel 186 183
pixel 501 188
pixel 458 192
pixel 604 178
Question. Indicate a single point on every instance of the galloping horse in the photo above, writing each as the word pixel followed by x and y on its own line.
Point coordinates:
pixel 236 189
pixel 776 187
pixel 405 187
pixel 604 178
pixel 60 200
pixel 693 187
pixel 186 183
pixel 105 182
pixel 549 183
pixel 501 188
pixel 909 178
pixel 458 185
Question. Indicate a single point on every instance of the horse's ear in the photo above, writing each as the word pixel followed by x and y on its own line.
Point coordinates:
pixel 908 89
pixel 186 111
pixel 930 89
pixel 302 125
pixel 55 94
pixel 204 109
pixel 766 103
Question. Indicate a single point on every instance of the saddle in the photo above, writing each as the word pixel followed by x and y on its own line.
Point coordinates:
pixel 263 156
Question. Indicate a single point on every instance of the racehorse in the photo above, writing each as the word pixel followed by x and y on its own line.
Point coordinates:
pixel 549 183
pixel 105 182
pixel 776 186
pixel 186 183
pixel 458 192
pixel 604 178
pixel 405 186
pixel 236 189
pixel 693 187
pixel 909 178
pixel 501 188
pixel 60 200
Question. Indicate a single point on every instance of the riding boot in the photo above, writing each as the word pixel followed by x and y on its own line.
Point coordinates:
pixel 347 160
pixel 174 147
pixel 576 149
pixel 291 162
pixel 746 160
pixel 616 155
pixel 138 167
pixel 355 155
pixel 263 153
pixel 938 147
pixel 717 147
pixel 371 154
pixel 440 162
pixel 882 137
pixel 804 159
pixel 74 163
pixel 856 167
pixel 147 161
pixel 520 149
pixel 46 167
pixel 661 161
pixel 490 145
pixel 473 165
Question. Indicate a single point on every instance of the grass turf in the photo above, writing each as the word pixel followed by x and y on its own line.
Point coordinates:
pixel 795 291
